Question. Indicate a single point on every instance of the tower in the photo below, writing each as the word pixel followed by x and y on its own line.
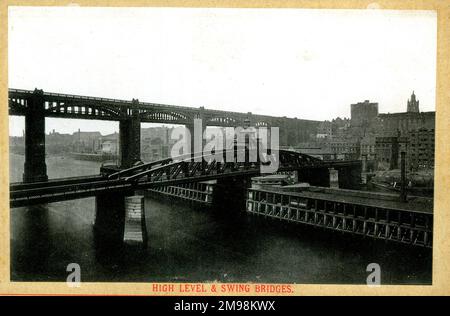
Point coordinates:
pixel 413 104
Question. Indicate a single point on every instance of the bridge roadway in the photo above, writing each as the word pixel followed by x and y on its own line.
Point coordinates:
pixel 168 172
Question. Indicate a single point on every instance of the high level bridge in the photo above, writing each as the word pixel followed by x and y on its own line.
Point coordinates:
pixel 37 105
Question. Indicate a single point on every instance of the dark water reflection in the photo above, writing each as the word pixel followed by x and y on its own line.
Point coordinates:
pixel 192 243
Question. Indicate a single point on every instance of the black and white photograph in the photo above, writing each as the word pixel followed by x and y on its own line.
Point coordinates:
pixel 228 146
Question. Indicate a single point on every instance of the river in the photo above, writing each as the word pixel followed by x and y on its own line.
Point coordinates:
pixel 188 243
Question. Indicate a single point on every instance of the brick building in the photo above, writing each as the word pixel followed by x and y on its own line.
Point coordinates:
pixel 421 149
pixel 387 151
pixel 344 148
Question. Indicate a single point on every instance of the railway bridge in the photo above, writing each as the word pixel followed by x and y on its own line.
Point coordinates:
pixel 37 105
pixel 112 186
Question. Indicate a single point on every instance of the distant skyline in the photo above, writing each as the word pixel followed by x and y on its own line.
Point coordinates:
pixel 143 126
pixel 309 64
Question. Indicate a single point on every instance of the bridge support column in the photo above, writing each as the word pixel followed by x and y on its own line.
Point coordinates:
pixel 35 169
pixel 334 178
pixel 109 220
pixel 130 140
pixel 135 227
pixel 316 177
pixel 230 195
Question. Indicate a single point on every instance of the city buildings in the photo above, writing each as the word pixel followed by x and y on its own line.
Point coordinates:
pixel 381 137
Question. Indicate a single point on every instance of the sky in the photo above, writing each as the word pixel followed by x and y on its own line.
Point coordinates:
pixel 309 64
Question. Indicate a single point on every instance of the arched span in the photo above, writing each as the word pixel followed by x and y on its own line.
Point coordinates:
pixel 222 120
pixel 262 124
pixel 82 109
pixel 163 116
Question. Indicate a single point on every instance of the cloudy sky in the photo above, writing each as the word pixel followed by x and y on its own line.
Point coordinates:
pixel 308 64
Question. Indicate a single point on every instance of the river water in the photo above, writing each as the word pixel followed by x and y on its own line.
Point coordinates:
pixel 188 243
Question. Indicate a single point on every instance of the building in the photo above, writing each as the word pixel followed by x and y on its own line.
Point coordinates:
pixel 387 151
pixel 368 147
pixel 110 144
pixel 420 153
pixel 156 143
pixel 344 148
pixel 324 129
pixel 412 104
pixel 86 142
pixel 154 150
pixel 340 126
pixel 408 121
pixel 363 113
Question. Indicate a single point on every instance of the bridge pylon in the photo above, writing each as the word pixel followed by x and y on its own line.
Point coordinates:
pixel 130 139
pixel 35 169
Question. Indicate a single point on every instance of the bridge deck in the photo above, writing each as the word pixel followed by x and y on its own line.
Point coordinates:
pixel 409 223
pixel 165 172
pixel 372 199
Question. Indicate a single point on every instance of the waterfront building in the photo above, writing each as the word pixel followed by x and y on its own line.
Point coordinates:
pixel 420 153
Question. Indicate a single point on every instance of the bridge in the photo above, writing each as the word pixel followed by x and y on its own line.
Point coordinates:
pixel 37 105
pixel 180 170
pixel 233 178
pixel 111 187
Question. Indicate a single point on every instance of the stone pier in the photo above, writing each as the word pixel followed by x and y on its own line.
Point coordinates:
pixel 35 169
pixel 109 219
pixel 135 227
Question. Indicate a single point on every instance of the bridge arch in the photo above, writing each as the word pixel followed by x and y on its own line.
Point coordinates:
pixel 222 121
pixel 262 124
pixel 163 116
pixel 82 109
